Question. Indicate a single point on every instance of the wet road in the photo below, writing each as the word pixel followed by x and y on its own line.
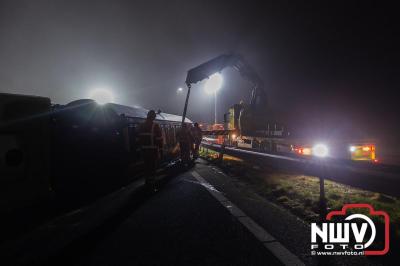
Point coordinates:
pixel 199 217
pixel 182 224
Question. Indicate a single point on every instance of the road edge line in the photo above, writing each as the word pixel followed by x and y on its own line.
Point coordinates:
pixel 268 241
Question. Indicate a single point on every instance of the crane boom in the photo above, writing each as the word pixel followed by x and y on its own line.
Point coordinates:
pixel 217 64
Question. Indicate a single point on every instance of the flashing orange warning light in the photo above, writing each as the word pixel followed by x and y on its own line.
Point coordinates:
pixel 306 151
pixel 364 152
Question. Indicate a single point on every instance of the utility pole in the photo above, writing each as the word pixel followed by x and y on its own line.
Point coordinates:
pixel 215 107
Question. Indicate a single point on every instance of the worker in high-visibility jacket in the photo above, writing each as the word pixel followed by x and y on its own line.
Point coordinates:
pixel 151 143
pixel 185 139
pixel 197 137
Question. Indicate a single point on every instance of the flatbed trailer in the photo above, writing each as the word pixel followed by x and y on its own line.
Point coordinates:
pixel 280 142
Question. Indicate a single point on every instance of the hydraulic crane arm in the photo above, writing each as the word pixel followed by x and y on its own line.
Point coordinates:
pixel 217 64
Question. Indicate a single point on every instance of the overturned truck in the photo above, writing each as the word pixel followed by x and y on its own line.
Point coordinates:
pixel 80 149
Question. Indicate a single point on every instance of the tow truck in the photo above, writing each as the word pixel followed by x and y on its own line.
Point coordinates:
pixel 252 125
pixel 246 125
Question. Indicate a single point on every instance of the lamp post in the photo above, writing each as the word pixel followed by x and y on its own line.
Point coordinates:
pixel 212 86
pixel 215 107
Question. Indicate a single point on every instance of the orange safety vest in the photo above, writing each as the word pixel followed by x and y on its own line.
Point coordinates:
pixel 150 136
pixel 197 134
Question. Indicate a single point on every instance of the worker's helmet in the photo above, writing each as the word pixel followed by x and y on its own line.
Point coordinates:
pixel 151 115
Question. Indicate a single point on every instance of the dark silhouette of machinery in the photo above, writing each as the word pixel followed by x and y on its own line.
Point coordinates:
pixel 251 119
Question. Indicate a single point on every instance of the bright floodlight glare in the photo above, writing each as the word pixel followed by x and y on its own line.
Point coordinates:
pixel 102 96
pixel 320 150
pixel 352 148
pixel 213 84
pixel 179 90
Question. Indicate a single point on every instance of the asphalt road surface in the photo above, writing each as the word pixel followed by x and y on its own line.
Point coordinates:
pixel 200 216
pixel 182 224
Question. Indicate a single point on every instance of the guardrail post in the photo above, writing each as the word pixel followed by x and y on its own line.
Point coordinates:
pixel 322 260
pixel 322 199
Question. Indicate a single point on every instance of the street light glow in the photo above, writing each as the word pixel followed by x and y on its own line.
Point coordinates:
pixel 213 84
pixel 101 96
pixel 179 90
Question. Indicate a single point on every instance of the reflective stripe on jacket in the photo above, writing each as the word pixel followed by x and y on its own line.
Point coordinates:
pixel 150 136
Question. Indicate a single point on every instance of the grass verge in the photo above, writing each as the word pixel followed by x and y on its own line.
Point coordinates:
pixel 300 193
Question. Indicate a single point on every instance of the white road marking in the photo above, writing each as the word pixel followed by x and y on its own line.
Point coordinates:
pixel 207 185
pixel 257 230
pixel 275 247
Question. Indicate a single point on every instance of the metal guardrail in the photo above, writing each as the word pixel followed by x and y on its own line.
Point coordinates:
pixel 372 178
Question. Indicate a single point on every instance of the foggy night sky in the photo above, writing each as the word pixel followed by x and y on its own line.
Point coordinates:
pixel 331 70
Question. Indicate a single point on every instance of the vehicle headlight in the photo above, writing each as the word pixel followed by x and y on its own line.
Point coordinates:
pixel 320 150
